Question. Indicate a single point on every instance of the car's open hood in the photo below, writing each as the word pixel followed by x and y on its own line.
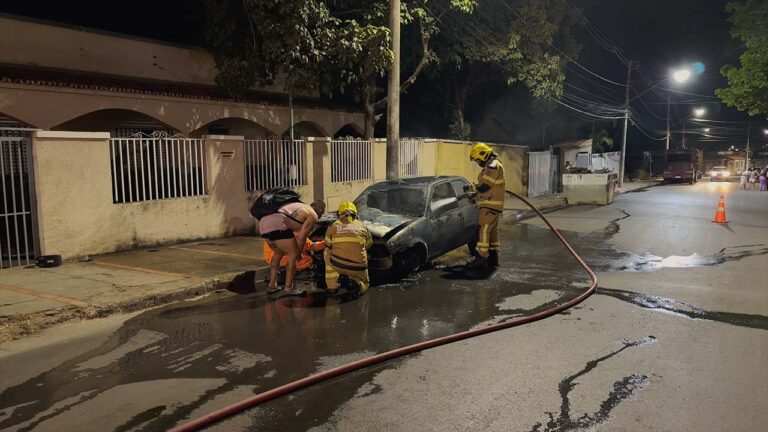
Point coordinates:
pixel 380 223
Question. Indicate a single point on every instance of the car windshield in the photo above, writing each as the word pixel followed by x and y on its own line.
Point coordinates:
pixel 399 200
pixel 679 157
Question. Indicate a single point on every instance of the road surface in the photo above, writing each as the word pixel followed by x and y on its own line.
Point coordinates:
pixel 676 339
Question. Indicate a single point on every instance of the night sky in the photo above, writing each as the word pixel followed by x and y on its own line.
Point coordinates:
pixel 659 34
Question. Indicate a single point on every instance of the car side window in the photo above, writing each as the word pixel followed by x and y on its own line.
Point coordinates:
pixel 443 198
pixel 461 193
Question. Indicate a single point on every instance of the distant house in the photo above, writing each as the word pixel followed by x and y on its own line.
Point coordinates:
pixel 577 152
pixel 59 77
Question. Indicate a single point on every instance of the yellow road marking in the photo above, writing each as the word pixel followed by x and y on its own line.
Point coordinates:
pixel 39 294
pixel 215 252
pixel 145 270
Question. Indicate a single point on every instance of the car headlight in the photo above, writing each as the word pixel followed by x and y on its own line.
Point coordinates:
pixel 726 174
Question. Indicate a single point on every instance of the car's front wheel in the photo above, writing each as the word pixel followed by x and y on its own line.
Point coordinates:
pixel 411 260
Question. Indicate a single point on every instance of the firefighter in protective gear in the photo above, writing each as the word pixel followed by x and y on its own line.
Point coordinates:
pixel 346 242
pixel 490 189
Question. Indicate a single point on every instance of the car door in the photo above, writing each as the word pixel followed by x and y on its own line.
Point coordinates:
pixel 445 218
pixel 468 210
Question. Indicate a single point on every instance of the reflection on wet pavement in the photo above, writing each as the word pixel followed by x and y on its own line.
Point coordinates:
pixel 250 341
pixel 677 307
pixel 180 361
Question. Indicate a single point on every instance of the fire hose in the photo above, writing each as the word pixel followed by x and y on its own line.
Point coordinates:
pixel 326 375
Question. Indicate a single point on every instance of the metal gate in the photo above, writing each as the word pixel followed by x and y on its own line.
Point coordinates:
pixel 539 173
pixel 17 231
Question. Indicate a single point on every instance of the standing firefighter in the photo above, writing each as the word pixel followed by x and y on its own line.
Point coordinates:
pixel 490 202
pixel 346 242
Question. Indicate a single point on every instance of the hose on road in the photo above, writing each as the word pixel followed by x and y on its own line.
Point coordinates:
pixel 319 377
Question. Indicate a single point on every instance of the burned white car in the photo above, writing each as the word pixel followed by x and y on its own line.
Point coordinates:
pixel 415 220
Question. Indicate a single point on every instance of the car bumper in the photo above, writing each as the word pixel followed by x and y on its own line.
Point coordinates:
pixel 380 263
pixel 379 257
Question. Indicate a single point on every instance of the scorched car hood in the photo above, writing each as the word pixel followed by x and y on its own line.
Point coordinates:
pixel 380 224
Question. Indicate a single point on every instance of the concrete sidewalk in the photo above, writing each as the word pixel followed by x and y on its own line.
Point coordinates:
pixel 32 298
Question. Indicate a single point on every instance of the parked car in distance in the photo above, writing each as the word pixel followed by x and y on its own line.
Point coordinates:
pixel 719 173
pixel 415 220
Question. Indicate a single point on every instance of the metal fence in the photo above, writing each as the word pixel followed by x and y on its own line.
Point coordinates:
pixel 351 160
pixel 274 163
pixel 610 161
pixel 156 167
pixel 409 157
pixel 539 173
pixel 17 239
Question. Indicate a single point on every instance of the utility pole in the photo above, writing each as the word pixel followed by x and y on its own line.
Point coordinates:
pixel 746 162
pixel 290 109
pixel 684 122
pixel 393 97
pixel 626 125
pixel 669 103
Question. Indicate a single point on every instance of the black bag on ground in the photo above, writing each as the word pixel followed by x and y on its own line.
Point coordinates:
pixel 270 201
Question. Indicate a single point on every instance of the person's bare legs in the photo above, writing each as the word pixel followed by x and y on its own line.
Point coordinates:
pixel 285 247
pixel 274 266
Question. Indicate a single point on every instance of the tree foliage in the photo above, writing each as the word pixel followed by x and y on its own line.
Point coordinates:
pixel 504 43
pixel 748 84
pixel 601 141
pixel 337 46
pixel 256 41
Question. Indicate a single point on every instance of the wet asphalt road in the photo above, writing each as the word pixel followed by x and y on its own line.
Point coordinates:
pixel 675 339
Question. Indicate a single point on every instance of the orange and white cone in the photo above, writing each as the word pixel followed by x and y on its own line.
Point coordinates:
pixel 720 213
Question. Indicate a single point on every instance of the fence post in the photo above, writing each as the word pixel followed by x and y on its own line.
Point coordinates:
pixel 72 173
pixel 319 161
pixel 225 177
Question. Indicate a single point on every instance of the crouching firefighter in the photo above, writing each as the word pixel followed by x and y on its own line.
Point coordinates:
pixel 490 188
pixel 346 242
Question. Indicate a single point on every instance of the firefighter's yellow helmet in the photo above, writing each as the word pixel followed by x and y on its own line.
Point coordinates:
pixel 347 208
pixel 480 152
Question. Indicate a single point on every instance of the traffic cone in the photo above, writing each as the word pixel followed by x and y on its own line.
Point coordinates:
pixel 720 213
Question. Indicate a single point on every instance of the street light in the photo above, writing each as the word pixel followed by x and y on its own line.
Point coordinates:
pixel 682 75
pixel 697 112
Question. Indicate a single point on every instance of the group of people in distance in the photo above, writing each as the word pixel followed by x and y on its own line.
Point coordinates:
pixel 752 177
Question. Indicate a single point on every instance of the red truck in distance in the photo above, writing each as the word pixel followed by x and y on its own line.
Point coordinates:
pixel 682 165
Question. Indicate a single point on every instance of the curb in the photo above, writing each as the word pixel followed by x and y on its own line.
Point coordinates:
pixel 17 326
pixel 638 189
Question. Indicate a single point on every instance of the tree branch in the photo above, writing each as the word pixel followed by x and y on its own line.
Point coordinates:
pixel 426 53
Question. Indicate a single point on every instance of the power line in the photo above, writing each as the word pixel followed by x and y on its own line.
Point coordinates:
pixel 584 112
pixel 688 93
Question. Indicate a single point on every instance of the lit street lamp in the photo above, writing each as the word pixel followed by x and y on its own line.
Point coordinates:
pixel 682 75
pixel 697 112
